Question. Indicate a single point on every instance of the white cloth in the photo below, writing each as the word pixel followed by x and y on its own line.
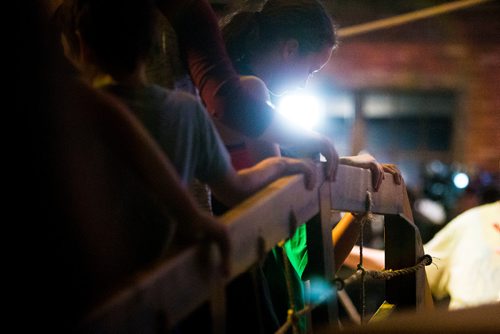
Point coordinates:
pixel 467 258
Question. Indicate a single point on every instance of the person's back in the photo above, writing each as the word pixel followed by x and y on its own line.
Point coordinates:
pixel 180 125
pixel 85 193
pixel 467 257
pixel 117 43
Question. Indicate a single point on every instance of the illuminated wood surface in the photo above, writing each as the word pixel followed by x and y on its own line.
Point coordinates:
pixel 169 292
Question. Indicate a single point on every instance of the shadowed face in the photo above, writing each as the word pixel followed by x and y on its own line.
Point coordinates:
pixel 296 69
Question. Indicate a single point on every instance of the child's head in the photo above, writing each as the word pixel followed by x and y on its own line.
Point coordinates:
pixel 296 37
pixel 115 35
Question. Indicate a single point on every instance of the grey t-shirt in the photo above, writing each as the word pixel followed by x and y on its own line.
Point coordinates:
pixel 183 129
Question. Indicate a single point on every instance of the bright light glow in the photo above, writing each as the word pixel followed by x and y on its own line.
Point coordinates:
pixel 304 110
pixel 461 180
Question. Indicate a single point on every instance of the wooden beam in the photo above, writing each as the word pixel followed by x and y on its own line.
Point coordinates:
pixel 350 188
pixel 321 259
pixel 169 292
pixel 180 284
pixel 480 319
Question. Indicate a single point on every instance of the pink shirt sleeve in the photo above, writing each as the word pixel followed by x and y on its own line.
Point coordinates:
pixel 202 47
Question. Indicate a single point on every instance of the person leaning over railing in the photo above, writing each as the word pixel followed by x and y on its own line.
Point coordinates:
pixel 116 44
pixel 202 49
pixel 96 179
pixel 277 49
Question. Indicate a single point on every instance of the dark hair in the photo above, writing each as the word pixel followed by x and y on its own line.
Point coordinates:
pixel 250 32
pixel 119 32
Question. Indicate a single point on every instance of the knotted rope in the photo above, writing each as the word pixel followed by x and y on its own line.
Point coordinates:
pixel 367 217
pixel 360 274
pixel 384 274
pixel 291 314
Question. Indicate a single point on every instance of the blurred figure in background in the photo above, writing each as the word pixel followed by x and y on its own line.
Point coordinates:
pixel 466 257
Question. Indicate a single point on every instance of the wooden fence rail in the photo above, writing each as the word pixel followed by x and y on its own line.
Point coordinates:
pixel 169 292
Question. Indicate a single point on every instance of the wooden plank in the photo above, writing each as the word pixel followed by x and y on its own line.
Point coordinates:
pixel 480 319
pixel 321 258
pixel 403 249
pixel 179 285
pixel 350 187
pixel 271 215
pixel 168 293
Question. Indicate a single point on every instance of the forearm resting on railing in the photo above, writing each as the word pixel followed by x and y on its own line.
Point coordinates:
pixel 373 259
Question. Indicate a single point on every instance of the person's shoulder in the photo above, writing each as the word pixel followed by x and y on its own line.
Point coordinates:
pixel 476 214
pixel 489 210
pixel 184 105
pixel 181 99
pixel 180 96
pixel 483 208
pixel 255 87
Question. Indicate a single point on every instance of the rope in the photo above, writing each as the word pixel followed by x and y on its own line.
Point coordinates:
pixel 340 284
pixel 284 328
pixel 291 314
pixel 406 18
pixel 367 216
pixel 362 271
pixel 389 273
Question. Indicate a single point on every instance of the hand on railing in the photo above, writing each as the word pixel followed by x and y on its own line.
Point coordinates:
pixel 332 157
pixel 301 166
pixel 306 142
pixel 393 169
pixel 367 161
pixel 315 143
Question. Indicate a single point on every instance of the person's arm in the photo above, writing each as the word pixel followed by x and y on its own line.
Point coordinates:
pixel 344 236
pixel 367 161
pixel 237 186
pixel 138 148
pixel 305 141
pixel 212 72
pixel 373 259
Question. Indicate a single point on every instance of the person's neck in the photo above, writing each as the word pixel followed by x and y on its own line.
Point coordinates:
pixel 264 68
pixel 260 70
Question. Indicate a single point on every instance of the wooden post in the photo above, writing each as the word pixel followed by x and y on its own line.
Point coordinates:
pixel 167 293
pixel 403 249
pixel 321 258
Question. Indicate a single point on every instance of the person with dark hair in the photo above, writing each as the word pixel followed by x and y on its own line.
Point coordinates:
pixel 203 51
pixel 276 48
pixel 283 44
pixel 117 43
pixel 103 201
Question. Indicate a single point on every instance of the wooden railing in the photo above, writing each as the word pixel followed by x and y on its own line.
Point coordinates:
pixel 167 294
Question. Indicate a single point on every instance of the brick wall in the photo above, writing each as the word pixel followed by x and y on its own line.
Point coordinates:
pixel 462 55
